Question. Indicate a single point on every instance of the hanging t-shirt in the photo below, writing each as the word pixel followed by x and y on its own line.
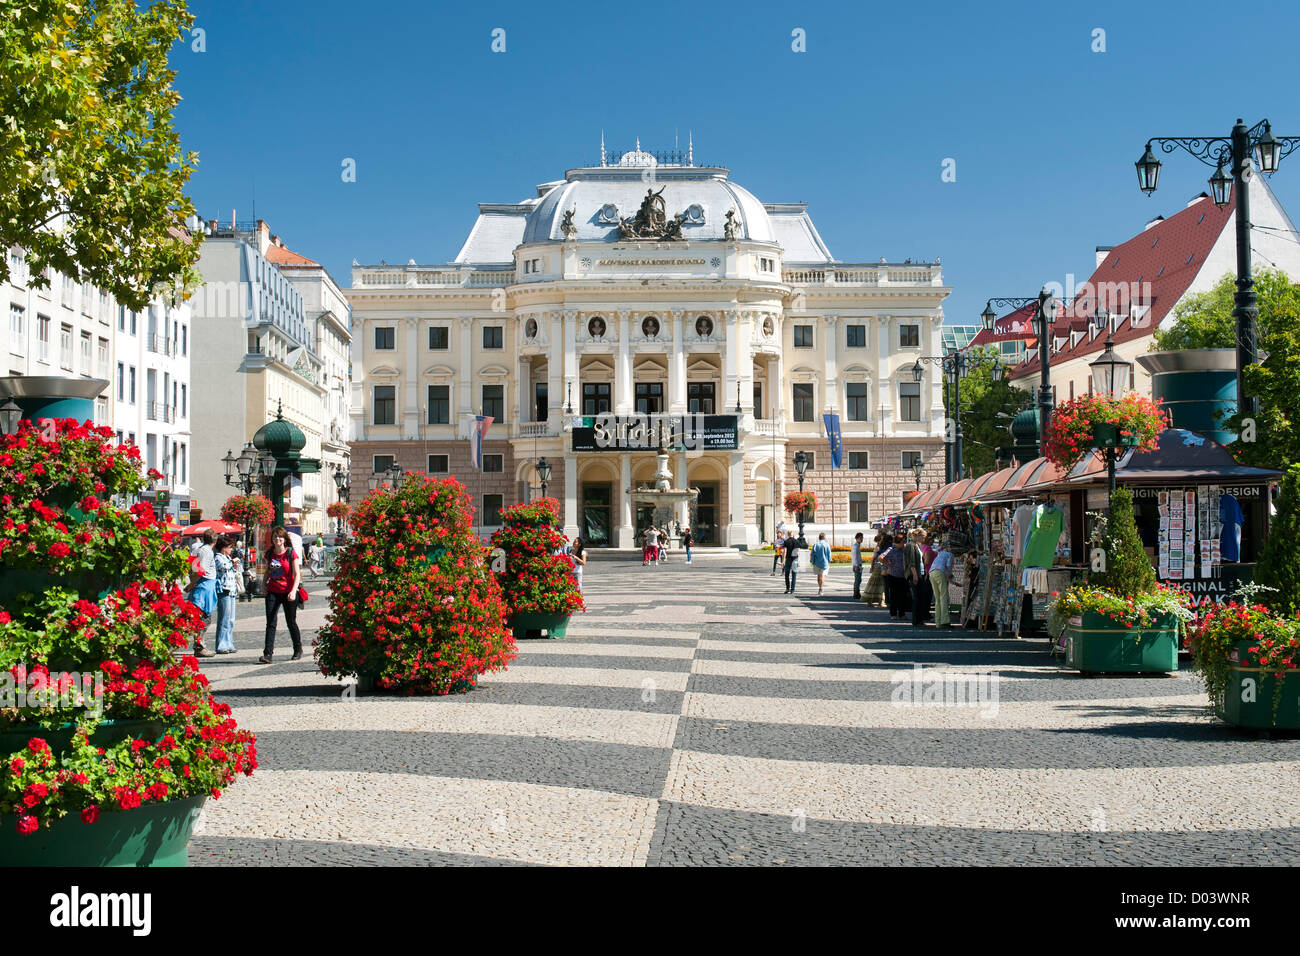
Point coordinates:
pixel 1040 549
pixel 1021 522
pixel 1230 538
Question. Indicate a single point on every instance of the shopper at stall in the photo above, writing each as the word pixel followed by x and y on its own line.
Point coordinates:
pixel 914 572
pixel 857 566
pixel 940 579
pixel 791 562
pixel 895 585
pixel 874 594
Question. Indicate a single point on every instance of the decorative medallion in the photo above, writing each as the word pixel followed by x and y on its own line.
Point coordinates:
pixel 608 215
pixel 585 262
pixel 704 326
pixel 530 328
pixel 768 326
pixel 596 328
pixel 694 214
pixel 650 327
pixel 715 262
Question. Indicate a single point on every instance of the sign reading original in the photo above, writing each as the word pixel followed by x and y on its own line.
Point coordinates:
pixel 640 432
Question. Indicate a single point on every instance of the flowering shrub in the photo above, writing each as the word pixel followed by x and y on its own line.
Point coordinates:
pixel 248 510
pixel 1133 611
pixel 337 509
pixel 414 604
pixel 90 587
pixel 1244 635
pixel 797 501
pixel 537 576
pixel 1068 436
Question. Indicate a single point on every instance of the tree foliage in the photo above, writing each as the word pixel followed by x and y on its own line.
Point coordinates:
pixel 982 399
pixel 1204 320
pixel 1128 569
pixel 1279 562
pixel 91 171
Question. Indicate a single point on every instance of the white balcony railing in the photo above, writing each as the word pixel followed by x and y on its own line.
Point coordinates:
pixel 769 428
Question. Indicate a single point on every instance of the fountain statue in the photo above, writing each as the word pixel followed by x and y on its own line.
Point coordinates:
pixel 664 497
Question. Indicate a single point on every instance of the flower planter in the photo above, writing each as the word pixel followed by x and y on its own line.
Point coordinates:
pixel 15 582
pixel 367 686
pixel 156 834
pixel 1096 644
pixel 1248 699
pixel 1106 435
pixel 532 623
pixel 107 733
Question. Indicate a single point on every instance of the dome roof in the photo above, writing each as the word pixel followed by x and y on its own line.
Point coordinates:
pixel 600 195
pixel 282 439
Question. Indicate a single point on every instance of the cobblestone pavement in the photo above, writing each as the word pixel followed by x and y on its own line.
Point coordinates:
pixel 697 715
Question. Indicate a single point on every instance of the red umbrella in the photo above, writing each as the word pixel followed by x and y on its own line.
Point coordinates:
pixel 214 525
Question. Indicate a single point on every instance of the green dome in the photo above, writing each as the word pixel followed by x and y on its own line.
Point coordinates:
pixel 282 439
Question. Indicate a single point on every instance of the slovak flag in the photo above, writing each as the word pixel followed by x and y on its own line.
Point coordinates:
pixel 833 436
pixel 481 425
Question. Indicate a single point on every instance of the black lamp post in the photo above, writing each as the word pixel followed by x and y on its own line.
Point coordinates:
pixel 955 365
pixel 1110 377
pixel 543 473
pixel 1221 151
pixel 918 466
pixel 800 467
pixel 1045 312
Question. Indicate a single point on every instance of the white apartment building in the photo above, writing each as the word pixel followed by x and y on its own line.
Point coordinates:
pixel 253 355
pixel 72 329
pixel 651 289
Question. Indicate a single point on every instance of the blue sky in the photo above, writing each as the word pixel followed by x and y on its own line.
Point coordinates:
pixel 1044 131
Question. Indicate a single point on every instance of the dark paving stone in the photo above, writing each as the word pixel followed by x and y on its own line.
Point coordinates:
pixel 566 695
pixel 237 851
pixel 619 661
pixel 586 765
pixel 1064 689
pixel 687 835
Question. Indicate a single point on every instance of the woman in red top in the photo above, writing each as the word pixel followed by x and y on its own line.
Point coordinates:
pixel 282 580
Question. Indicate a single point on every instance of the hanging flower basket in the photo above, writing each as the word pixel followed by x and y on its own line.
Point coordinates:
pixel 800 501
pixel 337 509
pixel 1098 421
pixel 248 510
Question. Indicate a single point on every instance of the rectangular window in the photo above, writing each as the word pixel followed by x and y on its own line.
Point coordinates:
pixel 595 398
pixel 185 403
pixel 385 405
pixel 133 326
pixel 381 463
pixel 87 344
pixel 151 451
pixel 910 458
pixel 856 336
pixel 649 397
pixel 183 456
pixel 859 461
pixel 803 402
pixel 700 397
pixel 438 340
pixel 121 382
pixel 130 392
pixel 492 509
pixel 439 404
pixel 493 337
pixel 16 313
pixel 541 402
pixel 803 336
pixel 858 402
pixel 494 463
pixel 494 402
pixel 121 318
pixel 185 340
pixel 858 506
pixel 437 464
pixel 758 399
pixel 385 337
pixel 909 402
pixel 909 336
pixel 65 347
pixel 43 337
pixel 101 357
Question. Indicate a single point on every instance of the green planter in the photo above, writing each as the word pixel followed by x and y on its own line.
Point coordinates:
pixel 156 834
pixel 1248 698
pixel 1095 644
pixel 1106 435
pixel 106 734
pixel 528 624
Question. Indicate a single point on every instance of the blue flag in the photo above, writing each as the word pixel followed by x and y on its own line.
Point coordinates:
pixel 833 436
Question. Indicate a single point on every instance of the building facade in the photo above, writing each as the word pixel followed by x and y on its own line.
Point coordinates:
pixel 253 356
pixel 75 330
pixel 641 298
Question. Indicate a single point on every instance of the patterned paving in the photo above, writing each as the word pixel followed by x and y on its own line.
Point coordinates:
pixel 700 716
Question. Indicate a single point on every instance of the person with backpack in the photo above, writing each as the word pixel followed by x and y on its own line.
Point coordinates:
pixel 791 551
pixel 820 558
pixel 687 541
pixel 282 580
pixel 203 593
pixel 228 585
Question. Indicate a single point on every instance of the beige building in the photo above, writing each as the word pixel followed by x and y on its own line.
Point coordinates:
pixel 642 294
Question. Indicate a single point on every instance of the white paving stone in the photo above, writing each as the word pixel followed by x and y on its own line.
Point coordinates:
pixel 786 647
pixel 588 677
pixel 602 649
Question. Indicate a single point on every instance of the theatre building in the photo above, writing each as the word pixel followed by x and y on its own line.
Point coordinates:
pixel 643 297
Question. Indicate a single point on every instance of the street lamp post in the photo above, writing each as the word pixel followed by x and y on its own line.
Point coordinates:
pixel 543 473
pixel 955 365
pixel 801 466
pixel 1110 377
pixel 1220 151
pixel 1045 312
pixel 918 466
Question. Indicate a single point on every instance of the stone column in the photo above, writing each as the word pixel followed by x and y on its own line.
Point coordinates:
pixel 731 361
pixel 626 533
pixel 564 355
pixel 677 368
pixel 736 528
pixel 466 376
pixel 572 518
pixel 411 405
pixel 523 370
pixel 680 480
pixel 623 367
pixel 832 397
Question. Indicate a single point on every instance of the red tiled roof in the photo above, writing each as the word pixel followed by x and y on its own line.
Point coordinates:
pixel 1016 326
pixel 1158 263
pixel 282 256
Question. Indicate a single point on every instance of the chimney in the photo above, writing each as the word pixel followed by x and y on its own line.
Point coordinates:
pixel 1102 253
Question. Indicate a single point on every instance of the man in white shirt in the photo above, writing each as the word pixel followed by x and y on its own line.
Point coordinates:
pixel 857 566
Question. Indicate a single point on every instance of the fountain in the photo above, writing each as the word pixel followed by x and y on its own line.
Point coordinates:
pixel 663 497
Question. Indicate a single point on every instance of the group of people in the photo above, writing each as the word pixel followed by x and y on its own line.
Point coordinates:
pixel 786 545
pixel 910 571
pixel 654 545
pixel 218 576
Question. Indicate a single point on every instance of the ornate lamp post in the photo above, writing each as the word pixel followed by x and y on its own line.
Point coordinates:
pixel 1233 150
pixel 955 365
pixel 1045 312
pixel 918 467
pixel 543 473
pixel 1110 377
pixel 800 467
pixel 279 444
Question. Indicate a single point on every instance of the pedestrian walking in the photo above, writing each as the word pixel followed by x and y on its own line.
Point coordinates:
pixel 203 593
pixel 940 579
pixel 895 584
pixel 282 580
pixel 662 550
pixel 791 561
pixel 228 585
pixel 687 541
pixel 778 551
pixel 821 561
pixel 874 593
pixel 578 552
pixel 316 557
pixel 914 571
pixel 857 566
